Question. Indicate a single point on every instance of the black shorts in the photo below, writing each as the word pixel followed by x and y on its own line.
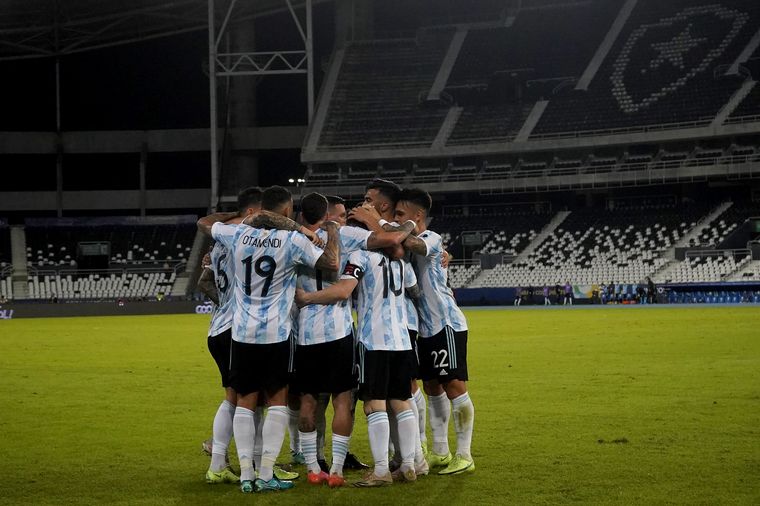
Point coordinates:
pixel 416 369
pixel 385 375
pixel 443 357
pixel 260 367
pixel 326 367
pixel 219 346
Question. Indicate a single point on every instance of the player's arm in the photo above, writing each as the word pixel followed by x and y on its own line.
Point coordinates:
pixel 205 223
pixel 338 292
pixel 415 245
pixel 382 230
pixel 207 285
pixel 329 260
pixel 391 238
pixel 414 291
pixel 268 219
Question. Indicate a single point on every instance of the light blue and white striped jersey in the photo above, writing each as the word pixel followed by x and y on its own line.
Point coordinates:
pixel 410 279
pixel 437 307
pixel 381 308
pixel 265 279
pixel 224 273
pixel 325 323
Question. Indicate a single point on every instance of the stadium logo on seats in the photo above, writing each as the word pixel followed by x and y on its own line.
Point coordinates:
pixel 676 48
pixel 206 308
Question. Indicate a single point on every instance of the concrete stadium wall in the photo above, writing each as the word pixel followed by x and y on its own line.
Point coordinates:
pixel 31 310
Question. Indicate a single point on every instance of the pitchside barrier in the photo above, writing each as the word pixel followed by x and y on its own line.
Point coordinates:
pixel 682 293
pixel 111 308
pixel 673 293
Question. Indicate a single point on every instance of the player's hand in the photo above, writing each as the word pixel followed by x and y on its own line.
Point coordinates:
pixel 301 296
pixel 205 261
pixel 313 237
pixel 365 214
pixel 446 259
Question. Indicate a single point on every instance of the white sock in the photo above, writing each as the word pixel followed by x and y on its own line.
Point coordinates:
pixel 295 441
pixel 309 447
pixel 464 419
pixel 440 411
pixel 379 433
pixel 275 426
pixel 407 435
pixel 258 440
pixel 222 435
pixel 419 401
pixel 339 452
pixel 418 455
pixel 244 428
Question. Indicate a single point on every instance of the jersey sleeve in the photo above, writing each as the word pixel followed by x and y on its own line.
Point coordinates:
pixel 354 238
pixel 355 266
pixel 224 234
pixel 305 253
pixel 410 278
pixel 433 242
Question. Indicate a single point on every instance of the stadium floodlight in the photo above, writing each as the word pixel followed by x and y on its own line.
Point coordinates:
pixel 291 180
pixel 301 180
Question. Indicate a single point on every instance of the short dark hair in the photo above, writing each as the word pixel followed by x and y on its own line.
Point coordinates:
pixel 274 197
pixel 334 200
pixel 248 197
pixel 388 189
pixel 417 196
pixel 313 207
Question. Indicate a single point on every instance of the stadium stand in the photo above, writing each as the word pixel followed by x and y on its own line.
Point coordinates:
pixel 50 245
pixel 84 286
pixel 623 246
pixel 460 275
pixel 702 269
pixel 377 97
pixel 515 233
pixel 665 69
pixel 143 258
pixel 749 272
pixel 717 231
pixel 6 283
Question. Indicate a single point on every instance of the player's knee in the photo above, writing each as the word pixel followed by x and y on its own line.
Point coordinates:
pixel 455 388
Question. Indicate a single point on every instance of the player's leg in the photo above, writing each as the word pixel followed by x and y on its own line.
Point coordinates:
pixel 342 426
pixel 308 434
pixel 244 428
pixel 434 360
pixel 323 400
pixel 294 406
pixel 245 383
pixel 340 379
pixel 402 369
pixel 378 430
pixel 373 390
pixel 219 472
pixel 419 401
pixel 352 461
pixel 462 407
pixel 274 364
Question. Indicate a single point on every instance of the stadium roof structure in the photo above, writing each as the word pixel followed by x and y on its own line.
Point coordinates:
pixel 47 28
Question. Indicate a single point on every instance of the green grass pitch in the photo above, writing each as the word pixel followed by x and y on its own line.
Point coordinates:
pixel 585 406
